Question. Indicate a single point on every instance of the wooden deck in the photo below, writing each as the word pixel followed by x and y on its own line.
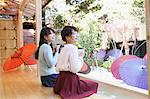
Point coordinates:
pixel 25 84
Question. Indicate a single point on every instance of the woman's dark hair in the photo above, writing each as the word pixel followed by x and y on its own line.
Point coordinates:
pixel 44 32
pixel 67 31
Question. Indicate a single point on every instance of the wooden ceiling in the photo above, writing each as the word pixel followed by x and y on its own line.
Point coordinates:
pixel 9 7
pixel 12 7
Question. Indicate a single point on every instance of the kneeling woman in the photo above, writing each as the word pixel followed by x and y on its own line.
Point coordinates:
pixel 68 84
pixel 46 59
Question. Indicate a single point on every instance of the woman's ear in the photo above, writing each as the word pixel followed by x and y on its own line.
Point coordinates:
pixel 67 38
pixel 45 37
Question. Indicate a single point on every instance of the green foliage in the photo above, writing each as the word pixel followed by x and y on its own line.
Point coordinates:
pixel 59 21
pixel 90 40
pixel 83 6
pixel 138 10
pixel 95 8
pixel 100 62
pixel 107 64
pixel 73 2
pixel 138 3
pixel 86 41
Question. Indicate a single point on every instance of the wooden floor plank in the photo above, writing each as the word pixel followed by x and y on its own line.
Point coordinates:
pixel 23 85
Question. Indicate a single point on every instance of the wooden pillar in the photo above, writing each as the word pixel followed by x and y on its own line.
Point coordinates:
pixel 19 30
pixel 20 34
pixel 147 9
pixel 20 26
pixel 38 17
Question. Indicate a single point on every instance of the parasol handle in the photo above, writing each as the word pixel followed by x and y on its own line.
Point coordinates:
pixel 143 67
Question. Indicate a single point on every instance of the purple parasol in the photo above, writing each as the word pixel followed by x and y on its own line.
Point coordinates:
pixel 115 53
pixel 116 64
pixel 134 72
pixel 100 54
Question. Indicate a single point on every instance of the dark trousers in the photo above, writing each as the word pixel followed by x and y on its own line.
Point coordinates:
pixel 49 81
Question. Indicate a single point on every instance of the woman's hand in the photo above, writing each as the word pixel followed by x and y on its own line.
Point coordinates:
pixel 57 48
pixel 81 52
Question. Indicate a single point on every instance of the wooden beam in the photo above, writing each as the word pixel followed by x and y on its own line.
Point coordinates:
pixel 31 12
pixel 22 5
pixel 8 12
pixel 147 9
pixel 27 14
pixel 46 3
pixel 9 6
